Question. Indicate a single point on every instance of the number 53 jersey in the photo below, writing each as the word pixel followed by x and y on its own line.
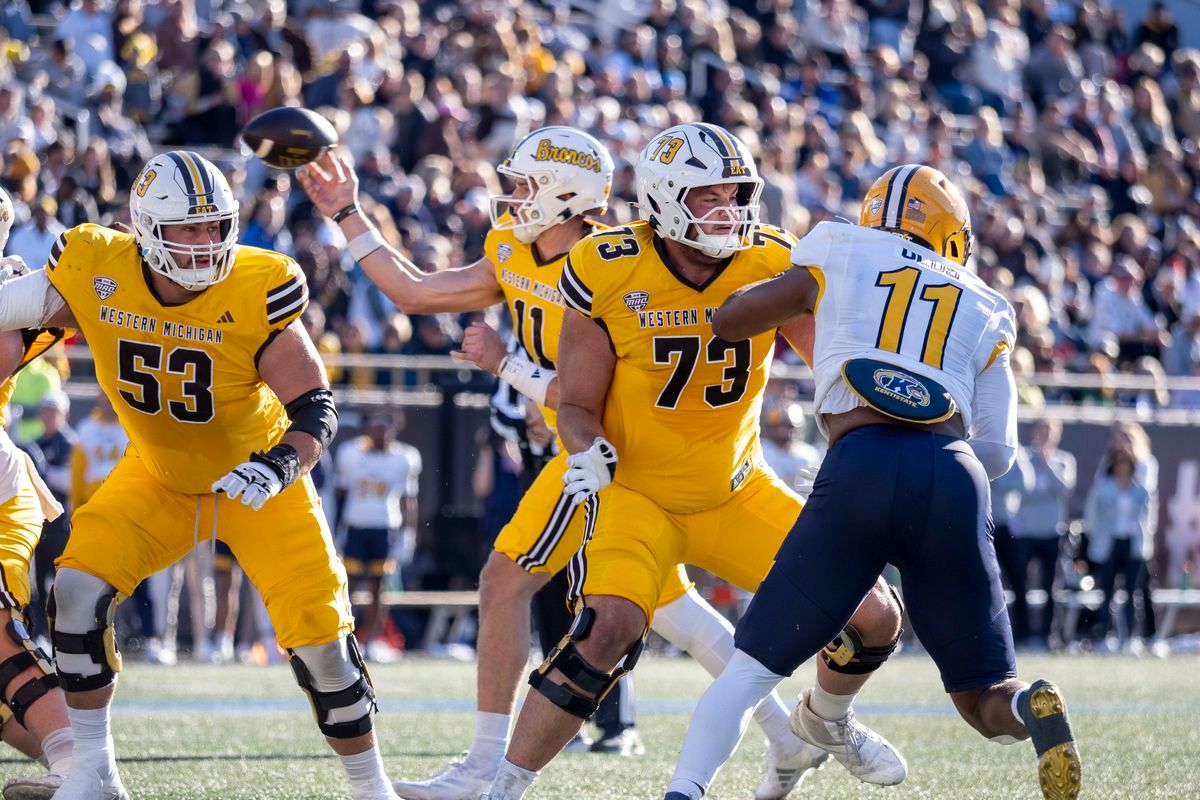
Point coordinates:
pixel 183 379
pixel 683 406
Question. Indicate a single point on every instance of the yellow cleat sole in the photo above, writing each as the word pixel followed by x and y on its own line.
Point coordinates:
pixel 1060 771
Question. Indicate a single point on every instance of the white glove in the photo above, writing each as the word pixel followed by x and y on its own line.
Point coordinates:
pixel 11 267
pixel 806 476
pixel 256 483
pixel 590 471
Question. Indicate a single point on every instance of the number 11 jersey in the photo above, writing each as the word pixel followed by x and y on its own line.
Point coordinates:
pixel 183 378
pixel 683 406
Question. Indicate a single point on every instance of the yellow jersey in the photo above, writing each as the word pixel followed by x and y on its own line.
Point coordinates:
pixel 36 343
pixel 530 289
pixel 183 378
pixel 683 406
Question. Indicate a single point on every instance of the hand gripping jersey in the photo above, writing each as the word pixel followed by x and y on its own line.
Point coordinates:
pixel 683 406
pixel 375 481
pixel 885 300
pixel 531 291
pixel 183 379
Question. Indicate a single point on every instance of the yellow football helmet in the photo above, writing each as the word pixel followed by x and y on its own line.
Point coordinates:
pixel 921 204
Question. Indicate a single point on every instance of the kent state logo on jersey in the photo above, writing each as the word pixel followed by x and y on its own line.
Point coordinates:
pixel 636 301
pixel 902 387
pixel 104 287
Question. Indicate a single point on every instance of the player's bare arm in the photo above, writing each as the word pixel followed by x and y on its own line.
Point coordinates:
pixel 291 367
pixel 767 304
pixel 801 334
pixel 585 370
pixel 482 346
pixel 332 185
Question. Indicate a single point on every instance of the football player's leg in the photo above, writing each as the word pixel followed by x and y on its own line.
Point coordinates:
pixel 535 544
pixel 304 588
pixel 784 625
pixel 227 580
pixel 960 616
pixel 132 527
pixel 618 575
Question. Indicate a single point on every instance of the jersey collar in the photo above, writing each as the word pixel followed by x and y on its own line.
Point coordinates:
pixel 661 248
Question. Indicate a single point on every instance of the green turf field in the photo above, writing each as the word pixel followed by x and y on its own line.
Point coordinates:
pixel 245 732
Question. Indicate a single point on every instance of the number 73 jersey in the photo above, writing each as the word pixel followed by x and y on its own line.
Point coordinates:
pixel 887 299
pixel 683 406
pixel 183 379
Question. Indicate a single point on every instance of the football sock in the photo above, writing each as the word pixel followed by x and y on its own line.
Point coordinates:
pixel 511 782
pixel 1015 706
pixel 828 706
pixel 93 740
pixel 721 718
pixel 490 740
pixel 685 788
pixel 693 625
pixel 57 748
pixel 367 779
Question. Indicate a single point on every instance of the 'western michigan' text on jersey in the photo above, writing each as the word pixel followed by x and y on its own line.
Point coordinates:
pixel 531 291
pixel 683 406
pixel 886 298
pixel 183 379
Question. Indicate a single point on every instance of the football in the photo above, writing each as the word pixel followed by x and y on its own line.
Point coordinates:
pixel 289 137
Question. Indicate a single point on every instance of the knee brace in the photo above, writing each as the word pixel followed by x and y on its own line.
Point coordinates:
pixel 566 659
pixel 847 653
pixel 338 685
pixel 17 700
pixel 87 659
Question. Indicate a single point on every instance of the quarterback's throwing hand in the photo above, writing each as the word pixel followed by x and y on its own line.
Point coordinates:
pixel 11 267
pixel 590 471
pixel 256 483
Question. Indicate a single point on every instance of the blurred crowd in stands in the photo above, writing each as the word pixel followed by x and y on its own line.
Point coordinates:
pixel 1074 131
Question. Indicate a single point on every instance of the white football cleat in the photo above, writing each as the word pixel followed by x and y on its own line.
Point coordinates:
pixel 41 787
pixel 455 781
pixel 787 767
pixel 863 752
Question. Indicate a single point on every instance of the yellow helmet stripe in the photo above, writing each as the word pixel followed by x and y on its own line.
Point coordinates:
pixel 894 202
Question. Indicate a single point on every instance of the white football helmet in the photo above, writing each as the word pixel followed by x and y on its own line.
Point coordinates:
pixel 565 172
pixel 6 218
pixel 180 187
pixel 689 156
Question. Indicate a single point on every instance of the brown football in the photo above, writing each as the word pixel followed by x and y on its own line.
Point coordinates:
pixel 288 137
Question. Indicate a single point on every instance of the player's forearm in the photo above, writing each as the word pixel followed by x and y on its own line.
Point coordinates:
pixel 578 427
pixel 307 448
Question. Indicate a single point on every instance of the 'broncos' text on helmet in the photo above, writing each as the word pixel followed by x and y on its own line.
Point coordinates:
pixel 176 188
pixel 564 173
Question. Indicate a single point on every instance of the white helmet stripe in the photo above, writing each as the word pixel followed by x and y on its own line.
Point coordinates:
pixel 894 200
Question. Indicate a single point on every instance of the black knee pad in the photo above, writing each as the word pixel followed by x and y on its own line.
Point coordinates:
pixel 566 659
pixel 848 655
pixel 99 644
pixel 361 693
pixel 17 700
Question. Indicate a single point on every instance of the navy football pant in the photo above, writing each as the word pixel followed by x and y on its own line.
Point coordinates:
pixel 890 494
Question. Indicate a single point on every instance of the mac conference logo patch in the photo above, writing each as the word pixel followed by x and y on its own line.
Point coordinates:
pixel 104 287
pixel 503 252
pixel 636 300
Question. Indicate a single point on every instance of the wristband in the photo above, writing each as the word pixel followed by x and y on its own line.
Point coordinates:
pixel 346 212
pixel 527 378
pixel 366 243
pixel 283 460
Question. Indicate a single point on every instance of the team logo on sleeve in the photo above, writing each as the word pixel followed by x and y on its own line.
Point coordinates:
pixel 503 252
pixel 636 301
pixel 104 287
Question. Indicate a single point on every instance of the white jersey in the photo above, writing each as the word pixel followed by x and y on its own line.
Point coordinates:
pixel 375 481
pixel 102 444
pixel 885 298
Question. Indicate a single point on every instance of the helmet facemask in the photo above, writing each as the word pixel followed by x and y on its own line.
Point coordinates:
pixel 742 220
pixel 161 255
